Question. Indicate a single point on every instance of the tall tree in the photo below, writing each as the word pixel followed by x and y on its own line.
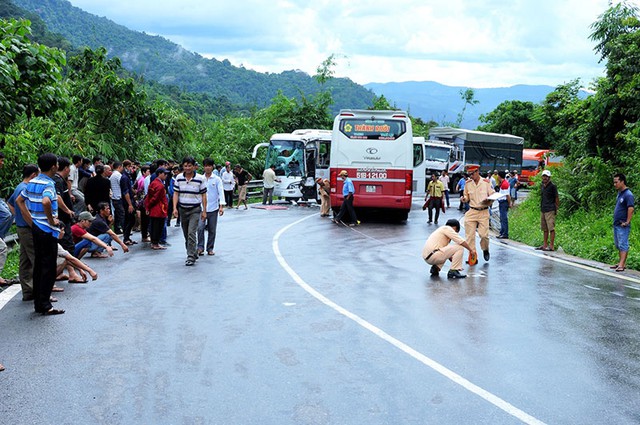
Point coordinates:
pixel 517 118
pixel 30 74
pixel 468 95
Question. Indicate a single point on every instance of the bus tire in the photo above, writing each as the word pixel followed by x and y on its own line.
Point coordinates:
pixel 454 184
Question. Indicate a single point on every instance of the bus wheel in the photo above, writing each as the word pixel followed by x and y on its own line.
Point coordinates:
pixel 402 215
pixel 454 184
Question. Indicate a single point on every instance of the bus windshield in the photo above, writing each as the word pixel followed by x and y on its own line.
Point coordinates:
pixel 530 164
pixel 435 153
pixel 372 129
pixel 287 156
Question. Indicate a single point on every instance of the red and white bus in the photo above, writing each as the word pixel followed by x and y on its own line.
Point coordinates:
pixel 376 148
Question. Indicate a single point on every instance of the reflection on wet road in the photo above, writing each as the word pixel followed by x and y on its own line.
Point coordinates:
pixel 296 320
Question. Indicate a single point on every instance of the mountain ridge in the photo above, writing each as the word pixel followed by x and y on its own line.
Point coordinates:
pixel 155 58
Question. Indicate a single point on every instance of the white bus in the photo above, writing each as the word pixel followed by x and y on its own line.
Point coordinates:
pixel 300 157
pixel 376 148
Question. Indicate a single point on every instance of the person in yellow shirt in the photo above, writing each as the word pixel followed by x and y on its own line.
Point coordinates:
pixel 435 191
pixel 437 250
pixel 476 192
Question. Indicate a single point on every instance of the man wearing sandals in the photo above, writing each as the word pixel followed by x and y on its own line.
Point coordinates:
pixel 38 203
pixel 549 203
pixel 622 215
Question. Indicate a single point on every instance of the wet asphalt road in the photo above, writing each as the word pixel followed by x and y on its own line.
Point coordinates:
pixel 344 326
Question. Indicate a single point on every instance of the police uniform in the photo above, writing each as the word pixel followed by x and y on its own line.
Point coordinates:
pixel 437 249
pixel 477 218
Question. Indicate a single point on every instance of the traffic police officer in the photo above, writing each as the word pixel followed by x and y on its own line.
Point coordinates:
pixel 476 192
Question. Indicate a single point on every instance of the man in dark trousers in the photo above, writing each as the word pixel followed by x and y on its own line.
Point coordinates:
pixel 38 203
pixel 348 190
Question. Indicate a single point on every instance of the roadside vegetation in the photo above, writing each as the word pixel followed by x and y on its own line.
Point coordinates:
pixel 54 98
pixel 599 135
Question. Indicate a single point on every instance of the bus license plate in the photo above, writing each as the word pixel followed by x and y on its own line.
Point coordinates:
pixel 370 189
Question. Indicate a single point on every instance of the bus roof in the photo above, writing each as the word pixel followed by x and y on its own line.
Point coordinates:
pixel 303 135
pixel 373 113
pixel 475 136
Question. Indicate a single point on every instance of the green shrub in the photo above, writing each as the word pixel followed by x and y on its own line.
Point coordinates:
pixel 585 234
pixel 10 269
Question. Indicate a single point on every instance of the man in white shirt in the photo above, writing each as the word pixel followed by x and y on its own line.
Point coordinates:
pixel 444 178
pixel 116 198
pixel 77 197
pixel 228 184
pixel 269 180
pixel 215 203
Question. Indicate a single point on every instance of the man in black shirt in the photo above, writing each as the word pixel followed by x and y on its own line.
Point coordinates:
pixel 243 177
pixel 101 225
pixel 97 188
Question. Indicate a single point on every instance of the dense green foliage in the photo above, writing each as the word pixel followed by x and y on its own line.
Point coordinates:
pixel 599 136
pixel 29 75
pixel 158 59
pixel 100 109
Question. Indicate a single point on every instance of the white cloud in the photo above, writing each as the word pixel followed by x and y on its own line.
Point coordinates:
pixel 482 43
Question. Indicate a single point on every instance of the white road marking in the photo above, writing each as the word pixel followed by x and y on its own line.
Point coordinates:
pixel 591 287
pixel 567 262
pixel 7 294
pixel 447 373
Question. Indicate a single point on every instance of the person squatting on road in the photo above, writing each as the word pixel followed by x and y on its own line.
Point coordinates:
pixel 348 191
pixel 437 250
pixel 476 192
pixel 622 215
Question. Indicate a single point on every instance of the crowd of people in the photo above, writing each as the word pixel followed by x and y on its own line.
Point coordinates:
pixel 477 196
pixel 66 210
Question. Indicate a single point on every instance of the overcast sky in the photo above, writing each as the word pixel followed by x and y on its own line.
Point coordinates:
pixel 471 43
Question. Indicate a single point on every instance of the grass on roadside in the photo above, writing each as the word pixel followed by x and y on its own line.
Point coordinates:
pixel 10 269
pixel 583 234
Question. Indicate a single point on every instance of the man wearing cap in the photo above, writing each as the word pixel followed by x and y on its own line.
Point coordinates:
pixel 435 191
pixel 86 242
pixel 437 249
pixel 476 192
pixel 549 203
pixel 348 190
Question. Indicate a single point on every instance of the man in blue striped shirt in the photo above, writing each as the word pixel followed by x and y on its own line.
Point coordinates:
pixel 190 196
pixel 38 203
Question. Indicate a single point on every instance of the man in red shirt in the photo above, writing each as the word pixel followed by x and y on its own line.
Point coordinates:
pixel 85 241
